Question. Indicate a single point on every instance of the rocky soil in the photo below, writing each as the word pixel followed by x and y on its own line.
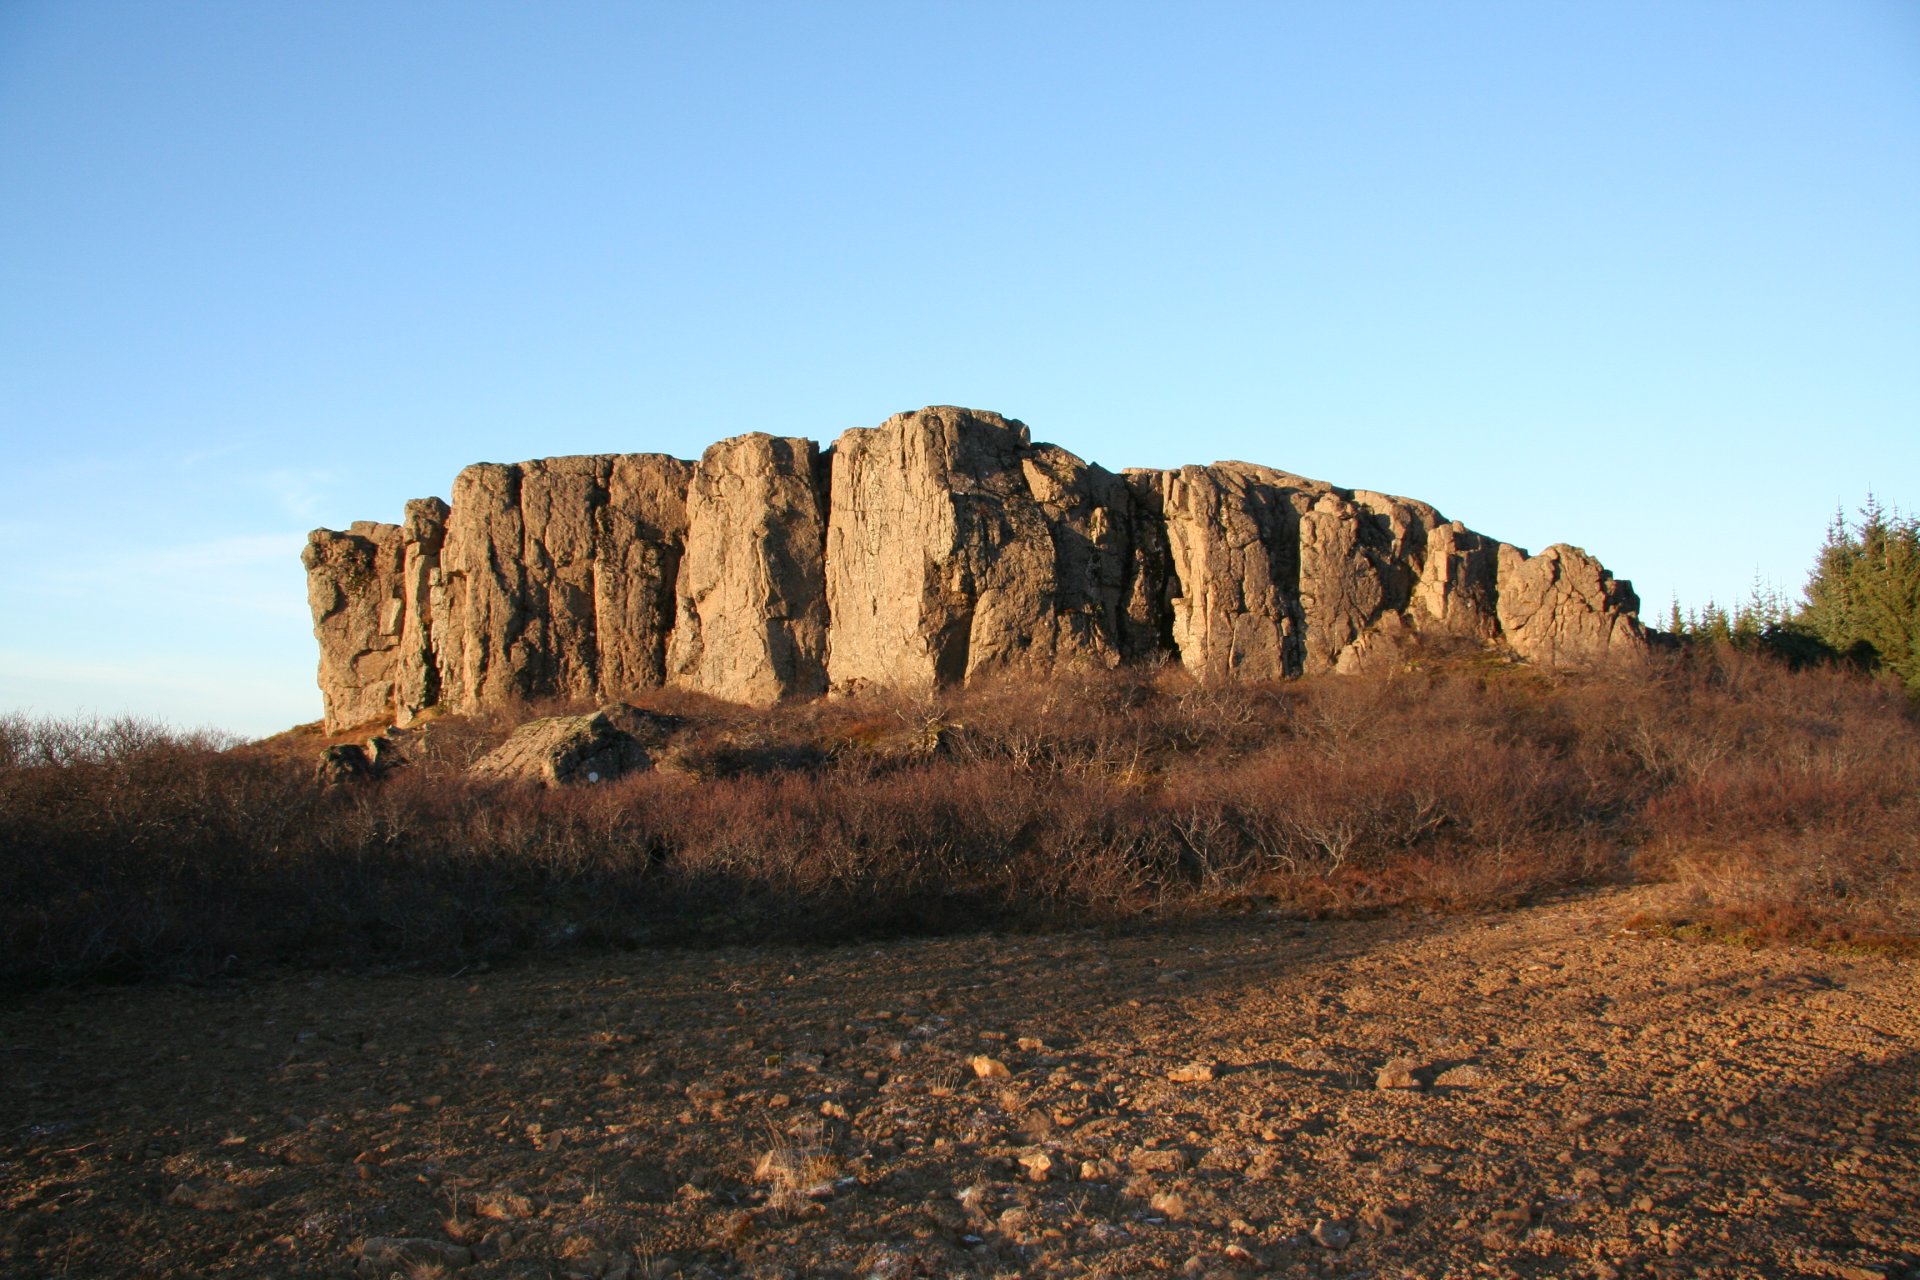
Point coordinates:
pixel 1546 1092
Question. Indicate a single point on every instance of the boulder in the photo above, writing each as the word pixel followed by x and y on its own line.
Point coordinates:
pixel 341 764
pixel 355 761
pixel 563 751
pixel 651 729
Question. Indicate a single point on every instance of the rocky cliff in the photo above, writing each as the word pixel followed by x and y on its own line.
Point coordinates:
pixel 937 548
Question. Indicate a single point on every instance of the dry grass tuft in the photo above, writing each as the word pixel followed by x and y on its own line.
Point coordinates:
pixel 795 1175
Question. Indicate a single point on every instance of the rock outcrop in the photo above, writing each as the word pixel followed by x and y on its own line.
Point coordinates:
pixel 1562 608
pixel 938 548
pixel 1271 574
pixel 1232 569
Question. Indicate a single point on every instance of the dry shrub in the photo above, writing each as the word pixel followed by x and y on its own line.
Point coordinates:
pixel 1449 815
pixel 1785 800
pixel 1800 816
pixel 935 847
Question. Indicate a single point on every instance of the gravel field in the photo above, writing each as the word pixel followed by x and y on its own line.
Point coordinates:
pixel 1541 1092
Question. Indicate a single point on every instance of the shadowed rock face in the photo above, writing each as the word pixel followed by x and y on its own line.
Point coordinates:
pixel 554 578
pixel 938 548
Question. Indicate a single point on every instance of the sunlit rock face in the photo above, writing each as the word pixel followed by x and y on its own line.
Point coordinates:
pixel 1562 608
pixel 354 587
pixel 751 617
pixel 957 548
pixel 939 548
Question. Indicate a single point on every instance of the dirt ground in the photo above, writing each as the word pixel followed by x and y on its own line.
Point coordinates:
pixel 1542 1092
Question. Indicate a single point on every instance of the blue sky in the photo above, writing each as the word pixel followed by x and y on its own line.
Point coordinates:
pixel 1640 277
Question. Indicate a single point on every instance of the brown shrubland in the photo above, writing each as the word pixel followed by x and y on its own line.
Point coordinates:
pixel 1786 804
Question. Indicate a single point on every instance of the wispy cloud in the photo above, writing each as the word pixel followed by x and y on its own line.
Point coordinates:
pixel 257 574
pixel 300 491
pixel 194 459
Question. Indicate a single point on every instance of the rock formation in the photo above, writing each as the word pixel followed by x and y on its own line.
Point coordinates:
pixel 1562 609
pixel 938 548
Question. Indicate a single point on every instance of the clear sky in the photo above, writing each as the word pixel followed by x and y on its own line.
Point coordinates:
pixel 1643 277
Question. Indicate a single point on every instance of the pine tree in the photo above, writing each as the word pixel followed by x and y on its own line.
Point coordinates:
pixel 1864 593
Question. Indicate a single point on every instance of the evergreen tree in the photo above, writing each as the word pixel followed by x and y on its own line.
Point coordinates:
pixel 1863 598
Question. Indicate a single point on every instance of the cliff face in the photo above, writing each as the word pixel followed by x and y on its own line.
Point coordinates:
pixel 937 548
